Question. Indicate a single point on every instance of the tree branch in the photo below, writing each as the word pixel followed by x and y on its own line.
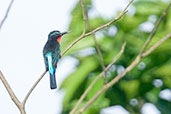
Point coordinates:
pixel 8 88
pixel 32 88
pixel 99 54
pixel 12 95
pixel 84 16
pixel 82 36
pixel 20 105
pixel 97 29
pixel 96 79
pixel 156 45
pixel 155 29
pixel 6 14
pixel 86 22
pixel 142 54
pixel 139 57
pixel 118 77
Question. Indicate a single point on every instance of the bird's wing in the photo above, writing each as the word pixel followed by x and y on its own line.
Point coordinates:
pixel 56 56
pixel 45 51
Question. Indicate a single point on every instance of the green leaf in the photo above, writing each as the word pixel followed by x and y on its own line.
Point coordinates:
pixel 165 73
pixel 73 82
pixel 130 87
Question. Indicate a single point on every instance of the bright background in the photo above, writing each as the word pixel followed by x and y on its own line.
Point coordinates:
pixel 22 38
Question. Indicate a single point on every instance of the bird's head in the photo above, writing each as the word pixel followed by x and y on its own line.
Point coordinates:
pixel 56 35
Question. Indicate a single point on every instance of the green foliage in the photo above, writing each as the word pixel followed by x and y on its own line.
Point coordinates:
pixel 77 78
pixel 130 87
pixel 137 84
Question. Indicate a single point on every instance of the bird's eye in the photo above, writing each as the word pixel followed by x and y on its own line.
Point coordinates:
pixel 55 33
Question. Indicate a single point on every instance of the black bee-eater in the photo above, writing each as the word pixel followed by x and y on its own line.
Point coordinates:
pixel 51 54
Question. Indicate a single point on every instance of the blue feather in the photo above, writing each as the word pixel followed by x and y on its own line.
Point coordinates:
pixel 50 64
pixel 51 70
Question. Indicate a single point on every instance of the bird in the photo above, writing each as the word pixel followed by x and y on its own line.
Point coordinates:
pixel 51 54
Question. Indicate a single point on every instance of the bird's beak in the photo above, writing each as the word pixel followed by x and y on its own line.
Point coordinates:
pixel 65 33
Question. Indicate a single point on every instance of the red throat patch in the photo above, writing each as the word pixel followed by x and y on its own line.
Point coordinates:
pixel 59 39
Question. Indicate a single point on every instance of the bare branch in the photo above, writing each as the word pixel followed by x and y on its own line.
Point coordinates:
pixel 12 95
pixel 114 20
pixel 100 55
pixel 6 14
pixel 97 78
pixel 155 28
pixel 8 88
pixel 84 15
pixel 32 88
pixel 128 69
pixel 97 29
pixel 86 22
pixel 20 105
pixel 105 87
pixel 156 45
pixel 90 33
pixel 133 64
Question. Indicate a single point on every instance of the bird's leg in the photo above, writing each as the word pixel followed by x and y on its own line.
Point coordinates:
pixel 46 68
pixel 55 65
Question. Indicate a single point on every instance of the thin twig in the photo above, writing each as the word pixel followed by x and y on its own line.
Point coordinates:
pixel 32 88
pixel 8 88
pixel 118 77
pixel 141 55
pixel 72 44
pixel 20 105
pixel 114 20
pixel 155 29
pixel 4 81
pixel 99 54
pixel 98 51
pixel 96 79
pixel 97 29
pixel 6 14
pixel 156 45
pixel 105 87
pixel 86 22
pixel 12 95
pixel 87 34
pixel 84 16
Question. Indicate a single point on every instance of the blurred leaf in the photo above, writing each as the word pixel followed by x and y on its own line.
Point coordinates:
pixel 130 87
pixel 72 83
pixel 145 8
pixel 165 73
pixel 137 84
pixel 95 88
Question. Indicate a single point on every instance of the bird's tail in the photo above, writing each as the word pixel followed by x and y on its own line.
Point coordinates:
pixel 52 81
pixel 51 72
